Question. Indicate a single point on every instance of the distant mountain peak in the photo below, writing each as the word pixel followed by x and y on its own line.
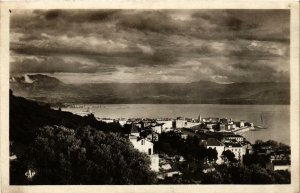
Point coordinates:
pixel 27 79
pixel 35 80
pixel 31 78
pixel 41 77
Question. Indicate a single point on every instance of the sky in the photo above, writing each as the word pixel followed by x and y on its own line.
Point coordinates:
pixel 135 46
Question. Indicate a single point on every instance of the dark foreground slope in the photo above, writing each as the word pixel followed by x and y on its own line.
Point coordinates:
pixel 50 147
pixel 27 116
pixel 51 90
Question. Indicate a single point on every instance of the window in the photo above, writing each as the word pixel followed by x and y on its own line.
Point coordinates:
pixel 143 142
pixel 149 151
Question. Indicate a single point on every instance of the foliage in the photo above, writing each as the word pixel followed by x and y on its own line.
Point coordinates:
pixel 85 156
pixel 229 156
pixel 172 144
pixel 213 177
pixel 261 160
pixel 254 174
pixel 259 144
pixel 26 117
pixel 212 154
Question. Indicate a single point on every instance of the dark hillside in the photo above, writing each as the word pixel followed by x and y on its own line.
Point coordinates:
pixel 27 116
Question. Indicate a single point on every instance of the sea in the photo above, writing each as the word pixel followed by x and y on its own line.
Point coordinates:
pixel 275 118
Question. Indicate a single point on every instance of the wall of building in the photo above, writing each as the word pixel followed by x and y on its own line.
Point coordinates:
pixel 191 124
pixel 154 162
pixel 107 120
pixel 142 145
pixel 122 123
pixel 157 129
pixel 282 167
pixel 166 125
pixel 181 123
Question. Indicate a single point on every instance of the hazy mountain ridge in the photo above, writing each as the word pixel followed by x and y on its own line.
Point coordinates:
pixel 49 89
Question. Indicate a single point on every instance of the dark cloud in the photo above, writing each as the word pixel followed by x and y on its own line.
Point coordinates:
pixel 133 58
pixel 234 23
pixel 162 45
pixel 264 25
pixel 77 15
pixel 52 14
pixel 153 21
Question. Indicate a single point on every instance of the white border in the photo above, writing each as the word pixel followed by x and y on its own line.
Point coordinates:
pixel 154 4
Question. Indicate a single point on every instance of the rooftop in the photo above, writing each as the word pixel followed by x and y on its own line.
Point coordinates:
pixel 233 145
pixel 213 142
pixel 233 135
pixel 281 162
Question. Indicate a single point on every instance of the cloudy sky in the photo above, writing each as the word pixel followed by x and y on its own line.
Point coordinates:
pixel 96 46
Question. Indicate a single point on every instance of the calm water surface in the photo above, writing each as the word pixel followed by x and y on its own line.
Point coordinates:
pixel 275 117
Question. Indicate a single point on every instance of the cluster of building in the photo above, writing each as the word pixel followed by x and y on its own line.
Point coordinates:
pixel 235 143
pixel 206 124
pixel 221 135
pixel 280 159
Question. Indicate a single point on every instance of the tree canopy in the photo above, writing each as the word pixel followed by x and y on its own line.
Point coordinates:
pixel 60 155
pixel 229 156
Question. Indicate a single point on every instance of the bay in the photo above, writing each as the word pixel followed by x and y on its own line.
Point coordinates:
pixel 276 118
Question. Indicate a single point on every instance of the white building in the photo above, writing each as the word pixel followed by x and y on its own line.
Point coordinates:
pixel 108 120
pixel 167 124
pixel 154 162
pixel 181 123
pixel 211 125
pixel 237 149
pixel 145 146
pixel 158 128
pixel 242 123
pixel 230 126
pixel 279 165
pixel 282 167
pixel 184 136
pixel 191 124
pixel 218 146
pixel 122 122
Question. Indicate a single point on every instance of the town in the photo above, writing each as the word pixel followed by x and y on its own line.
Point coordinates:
pixel 219 138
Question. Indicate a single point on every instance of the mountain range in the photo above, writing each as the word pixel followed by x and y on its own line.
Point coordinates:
pixel 49 89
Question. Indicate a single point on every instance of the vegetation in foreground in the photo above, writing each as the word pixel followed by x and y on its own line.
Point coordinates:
pixel 200 166
pixel 60 155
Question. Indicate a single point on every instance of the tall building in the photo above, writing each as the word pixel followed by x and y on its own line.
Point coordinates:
pixel 199 118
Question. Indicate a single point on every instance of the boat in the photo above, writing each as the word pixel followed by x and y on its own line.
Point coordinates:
pixel 257 127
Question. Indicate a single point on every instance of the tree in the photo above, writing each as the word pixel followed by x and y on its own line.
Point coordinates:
pixel 262 160
pixel 214 177
pixel 212 154
pixel 64 156
pixel 229 156
pixel 282 176
pixel 260 175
